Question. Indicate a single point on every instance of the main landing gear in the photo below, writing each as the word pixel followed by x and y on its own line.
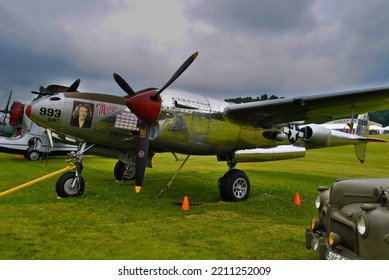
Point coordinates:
pixel 125 168
pixel 71 183
pixel 123 171
pixel 234 186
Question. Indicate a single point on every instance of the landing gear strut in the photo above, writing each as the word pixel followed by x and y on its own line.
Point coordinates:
pixel 234 186
pixel 72 183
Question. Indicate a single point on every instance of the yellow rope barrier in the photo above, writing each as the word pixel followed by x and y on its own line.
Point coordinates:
pixel 37 180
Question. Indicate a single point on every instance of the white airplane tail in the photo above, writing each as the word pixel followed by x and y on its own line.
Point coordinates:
pixel 362 132
pixel 362 128
pixel 319 136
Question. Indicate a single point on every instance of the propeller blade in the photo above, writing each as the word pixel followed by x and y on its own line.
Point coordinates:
pixel 142 150
pixel 74 86
pixel 178 73
pixel 37 92
pixel 124 85
pixel 6 109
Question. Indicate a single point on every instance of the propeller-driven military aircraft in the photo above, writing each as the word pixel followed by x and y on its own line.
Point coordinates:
pixel 136 126
pixel 19 135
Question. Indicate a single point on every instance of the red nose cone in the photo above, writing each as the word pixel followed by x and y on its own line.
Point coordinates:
pixel 143 107
pixel 28 110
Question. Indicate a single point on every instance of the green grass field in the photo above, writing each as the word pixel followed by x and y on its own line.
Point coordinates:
pixel 111 221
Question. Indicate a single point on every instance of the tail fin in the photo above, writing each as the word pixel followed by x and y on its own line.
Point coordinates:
pixel 362 133
pixel 363 125
pixel 362 130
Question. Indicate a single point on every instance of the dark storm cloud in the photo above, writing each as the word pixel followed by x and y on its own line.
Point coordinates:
pixel 366 39
pixel 40 43
pixel 246 47
pixel 297 47
pixel 254 16
pixel 24 69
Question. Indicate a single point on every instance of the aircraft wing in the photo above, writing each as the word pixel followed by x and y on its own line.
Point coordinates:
pixel 312 109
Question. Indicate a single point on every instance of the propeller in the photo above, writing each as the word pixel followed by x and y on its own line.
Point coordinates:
pixel 146 105
pixel 6 109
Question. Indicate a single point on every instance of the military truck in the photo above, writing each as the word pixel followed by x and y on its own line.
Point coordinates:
pixel 353 220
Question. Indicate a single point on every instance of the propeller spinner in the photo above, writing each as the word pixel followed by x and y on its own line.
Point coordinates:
pixel 146 105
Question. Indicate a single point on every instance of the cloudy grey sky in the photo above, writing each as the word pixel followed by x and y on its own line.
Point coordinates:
pixel 246 47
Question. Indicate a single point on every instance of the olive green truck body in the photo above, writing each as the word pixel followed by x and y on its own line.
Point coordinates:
pixel 353 220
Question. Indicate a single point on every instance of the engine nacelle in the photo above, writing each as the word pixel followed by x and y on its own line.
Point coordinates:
pixel 316 136
pixel 270 153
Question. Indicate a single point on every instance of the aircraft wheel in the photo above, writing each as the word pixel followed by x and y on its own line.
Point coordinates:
pixel 33 155
pixel 65 188
pixel 120 168
pixel 234 186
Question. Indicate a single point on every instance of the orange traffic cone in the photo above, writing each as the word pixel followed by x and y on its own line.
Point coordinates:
pixel 185 204
pixel 297 199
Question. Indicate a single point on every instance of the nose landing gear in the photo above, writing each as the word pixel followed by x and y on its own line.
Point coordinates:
pixel 72 183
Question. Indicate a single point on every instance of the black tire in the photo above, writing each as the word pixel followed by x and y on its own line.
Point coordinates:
pixel 64 185
pixel 234 186
pixel 33 155
pixel 120 168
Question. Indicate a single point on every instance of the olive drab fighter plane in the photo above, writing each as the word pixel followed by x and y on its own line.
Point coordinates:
pixel 134 127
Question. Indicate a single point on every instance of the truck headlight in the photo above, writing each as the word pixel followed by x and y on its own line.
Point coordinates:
pixel 317 202
pixel 315 224
pixel 334 239
pixel 362 226
pixel 322 197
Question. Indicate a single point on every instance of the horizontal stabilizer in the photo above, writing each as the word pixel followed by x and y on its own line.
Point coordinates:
pixel 372 139
pixel 360 151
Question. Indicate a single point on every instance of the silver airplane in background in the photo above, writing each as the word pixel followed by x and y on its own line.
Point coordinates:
pixel 19 135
